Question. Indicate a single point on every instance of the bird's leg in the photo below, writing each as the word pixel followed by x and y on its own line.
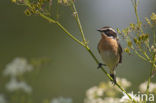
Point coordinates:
pixel 114 79
pixel 100 65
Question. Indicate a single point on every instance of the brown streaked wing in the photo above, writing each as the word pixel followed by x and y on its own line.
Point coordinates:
pixel 120 52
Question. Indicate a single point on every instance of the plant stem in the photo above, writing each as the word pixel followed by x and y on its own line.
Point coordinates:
pixel 79 42
pixel 108 75
pixel 154 37
pixel 69 34
pixel 62 27
pixel 150 76
pixel 91 53
pixel 145 54
pixel 136 11
pixel 139 55
pixel 78 22
pixel 135 5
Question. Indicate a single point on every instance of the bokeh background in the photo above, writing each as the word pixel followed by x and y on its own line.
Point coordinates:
pixel 71 70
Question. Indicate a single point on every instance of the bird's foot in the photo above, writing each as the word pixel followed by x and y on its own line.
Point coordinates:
pixel 100 65
pixel 113 82
pixel 114 79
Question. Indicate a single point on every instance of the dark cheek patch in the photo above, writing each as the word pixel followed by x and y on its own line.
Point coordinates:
pixel 112 34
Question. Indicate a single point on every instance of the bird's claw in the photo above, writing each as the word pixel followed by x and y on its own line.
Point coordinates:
pixel 100 65
pixel 113 82
pixel 114 79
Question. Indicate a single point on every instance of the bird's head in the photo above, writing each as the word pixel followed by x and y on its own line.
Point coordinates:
pixel 108 31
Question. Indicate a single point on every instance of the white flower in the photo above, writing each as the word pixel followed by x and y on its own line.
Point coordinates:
pixel 100 92
pixel 17 67
pixel 143 87
pixel 123 82
pixel 105 100
pixel 62 100
pixel 14 85
pixel 126 99
pixel 104 92
pixel 2 99
pixel 97 100
pixel 94 92
pixel 111 100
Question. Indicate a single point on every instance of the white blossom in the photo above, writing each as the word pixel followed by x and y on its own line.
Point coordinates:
pixel 111 100
pixel 105 100
pixel 61 100
pixel 123 82
pixel 95 100
pixel 17 67
pixel 94 92
pixel 143 87
pixel 14 85
pixel 105 92
pixel 2 99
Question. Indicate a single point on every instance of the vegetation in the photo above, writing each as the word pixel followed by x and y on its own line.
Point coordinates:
pixel 139 42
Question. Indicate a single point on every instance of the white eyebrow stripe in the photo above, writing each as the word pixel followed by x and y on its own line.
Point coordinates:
pixel 104 28
pixel 108 29
pixel 111 29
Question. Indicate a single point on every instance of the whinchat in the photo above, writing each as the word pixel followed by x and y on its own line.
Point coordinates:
pixel 110 50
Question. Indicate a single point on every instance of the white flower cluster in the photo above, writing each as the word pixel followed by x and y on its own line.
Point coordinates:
pixel 104 93
pixel 152 87
pixel 61 100
pixel 14 69
pixel 17 67
pixel 153 48
pixel 124 82
pixel 105 100
pixel 14 85
pixel 2 99
pixel 95 92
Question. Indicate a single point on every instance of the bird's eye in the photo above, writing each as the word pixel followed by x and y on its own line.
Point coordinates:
pixel 107 32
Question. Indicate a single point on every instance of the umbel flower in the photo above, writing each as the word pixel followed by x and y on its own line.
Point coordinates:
pixel 152 87
pixel 104 93
pixel 14 85
pixel 17 67
pixel 61 100
pixel 2 99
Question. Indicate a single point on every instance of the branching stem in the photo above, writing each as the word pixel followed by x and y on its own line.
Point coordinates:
pixel 150 76
pixel 78 22
pixel 84 43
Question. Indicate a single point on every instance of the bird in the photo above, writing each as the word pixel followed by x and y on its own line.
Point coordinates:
pixel 110 50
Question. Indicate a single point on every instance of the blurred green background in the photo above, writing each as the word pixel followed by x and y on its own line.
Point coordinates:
pixel 71 70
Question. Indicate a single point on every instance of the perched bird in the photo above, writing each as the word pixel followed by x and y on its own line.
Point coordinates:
pixel 110 50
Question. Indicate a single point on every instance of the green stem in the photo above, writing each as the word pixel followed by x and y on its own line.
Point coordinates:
pixel 142 57
pixel 135 5
pixel 136 11
pixel 147 44
pixel 154 37
pixel 145 54
pixel 62 27
pixel 108 75
pixel 69 34
pixel 150 76
pixel 46 17
pixel 91 53
pixel 78 22
pixel 79 42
